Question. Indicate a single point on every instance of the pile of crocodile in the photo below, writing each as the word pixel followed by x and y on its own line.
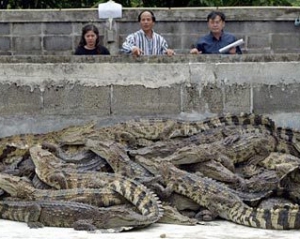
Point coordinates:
pixel 242 168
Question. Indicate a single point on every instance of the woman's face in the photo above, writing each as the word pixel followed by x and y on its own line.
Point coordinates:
pixel 90 38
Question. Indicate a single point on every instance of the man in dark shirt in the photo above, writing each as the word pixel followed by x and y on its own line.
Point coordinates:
pixel 217 38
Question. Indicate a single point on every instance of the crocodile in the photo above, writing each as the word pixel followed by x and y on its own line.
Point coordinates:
pixel 173 216
pixel 22 188
pixel 217 171
pixel 290 186
pixel 84 158
pixel 80 216
pixel 55 173
pixel 167 147
pixel 82 161
pixel 237 148
pixel 275 202
pixel 218 159
pixel 116 156
pixel 141 131
pixel 24 167
pixel 268 173
pixel 121 163
pixel 282 163
pixel 218 198
pixel 14 150
pixel 18 145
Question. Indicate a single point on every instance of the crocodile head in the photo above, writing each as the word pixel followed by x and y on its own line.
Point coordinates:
pixel 48 167
pixel 76 135
pixel 157 166
pixel 161 167
pixel 43 159
pixel 16 186
pixel 100 147
pixel 123 217
pixel 150 164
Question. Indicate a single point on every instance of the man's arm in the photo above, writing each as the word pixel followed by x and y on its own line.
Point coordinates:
pixel 196 49
pixel 128 44
pixel 237 49
pixel 165 48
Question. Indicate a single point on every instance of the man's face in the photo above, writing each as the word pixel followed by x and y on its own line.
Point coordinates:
pixel 216 25
pixel 146 21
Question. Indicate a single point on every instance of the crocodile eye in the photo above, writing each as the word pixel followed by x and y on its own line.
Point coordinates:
pixel 58 181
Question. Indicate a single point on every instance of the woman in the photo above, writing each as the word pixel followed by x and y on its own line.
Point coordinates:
pixel 89 42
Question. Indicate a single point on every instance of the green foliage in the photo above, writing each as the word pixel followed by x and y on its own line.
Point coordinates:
pixel 22 4
pixel 295 2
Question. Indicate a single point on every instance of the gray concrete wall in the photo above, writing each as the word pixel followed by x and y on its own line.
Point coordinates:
pixel 56 32
pixel 65 89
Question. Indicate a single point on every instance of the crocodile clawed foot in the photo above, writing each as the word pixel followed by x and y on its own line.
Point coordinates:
pixel 82 225
pixel 231 139
pixel 164 193
pixel 240 184
pixel 35 225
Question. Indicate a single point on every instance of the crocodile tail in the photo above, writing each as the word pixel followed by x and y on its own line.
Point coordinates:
pixel 241 119
pixel 188 128
pixel 290 135
pixel 139 195
pixel 281 218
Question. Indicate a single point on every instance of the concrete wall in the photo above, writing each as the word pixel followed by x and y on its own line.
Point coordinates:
pixel 68 89
pixel 56 32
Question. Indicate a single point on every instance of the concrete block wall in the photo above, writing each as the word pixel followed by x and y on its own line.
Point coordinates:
pixel 56 32
pixel 39 88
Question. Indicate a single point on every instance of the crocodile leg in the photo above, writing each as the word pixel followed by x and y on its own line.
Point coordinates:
pixel 15 211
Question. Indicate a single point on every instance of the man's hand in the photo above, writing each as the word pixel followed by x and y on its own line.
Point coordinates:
pixel 195 51
pixel 232 50
pixel 170 52
pixel 136 51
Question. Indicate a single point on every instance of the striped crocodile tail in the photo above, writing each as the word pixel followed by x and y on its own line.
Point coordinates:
pixel 139 195
pixel 290 135
pixel 282 218
pixel 241 119
pixel 188 128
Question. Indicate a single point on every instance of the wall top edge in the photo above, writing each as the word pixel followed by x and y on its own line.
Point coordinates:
pixel 162 14
pixel 184 58
pixel 155 8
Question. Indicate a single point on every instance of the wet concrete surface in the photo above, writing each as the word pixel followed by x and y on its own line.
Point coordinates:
pixel 210 230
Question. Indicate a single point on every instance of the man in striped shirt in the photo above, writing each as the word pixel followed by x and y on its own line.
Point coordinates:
pixel 146 41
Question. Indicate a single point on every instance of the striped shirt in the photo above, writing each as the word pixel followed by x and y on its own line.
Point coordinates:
pixel 155 46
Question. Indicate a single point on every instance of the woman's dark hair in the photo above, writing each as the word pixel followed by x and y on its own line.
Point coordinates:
pixel 85 29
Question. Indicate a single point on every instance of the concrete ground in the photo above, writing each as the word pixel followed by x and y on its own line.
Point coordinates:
pixel 211 230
